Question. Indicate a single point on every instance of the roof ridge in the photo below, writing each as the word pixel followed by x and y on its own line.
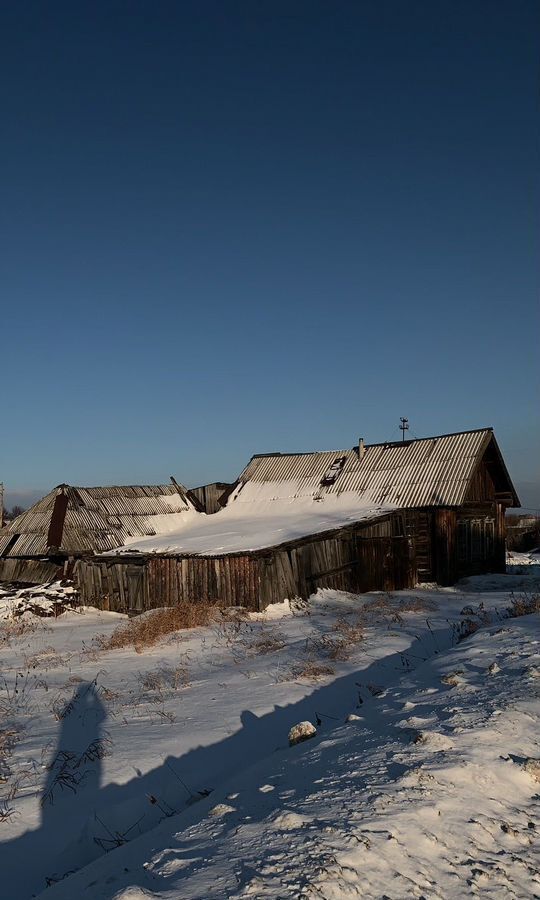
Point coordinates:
pixel 104 487
pixel 399 443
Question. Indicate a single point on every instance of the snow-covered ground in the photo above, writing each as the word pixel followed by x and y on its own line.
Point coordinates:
pixel 532 558
pixel 43 600
pixel 167 773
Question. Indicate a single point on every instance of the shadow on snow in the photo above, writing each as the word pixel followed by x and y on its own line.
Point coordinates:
pixel 81 820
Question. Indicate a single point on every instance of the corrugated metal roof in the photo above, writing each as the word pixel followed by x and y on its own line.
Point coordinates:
pixel 96 518
pixel 435 471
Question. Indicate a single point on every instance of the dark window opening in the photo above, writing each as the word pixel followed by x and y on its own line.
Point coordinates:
pixel 333 471
pixel 399 526
pixel 12 541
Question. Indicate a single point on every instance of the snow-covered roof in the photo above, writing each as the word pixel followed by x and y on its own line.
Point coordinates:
pixel 434 471
pixel 284 497
pixel 278 498
pixel 243 528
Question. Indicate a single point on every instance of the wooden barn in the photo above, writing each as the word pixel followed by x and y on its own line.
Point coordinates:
pixel 374 517
pixel 71 522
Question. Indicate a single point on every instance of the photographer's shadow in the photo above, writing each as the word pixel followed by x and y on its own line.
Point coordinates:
pixel 68 799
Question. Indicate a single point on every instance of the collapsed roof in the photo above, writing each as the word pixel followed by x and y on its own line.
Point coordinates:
pixel 95 519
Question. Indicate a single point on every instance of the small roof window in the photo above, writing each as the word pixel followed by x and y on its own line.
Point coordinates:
pixel 333 471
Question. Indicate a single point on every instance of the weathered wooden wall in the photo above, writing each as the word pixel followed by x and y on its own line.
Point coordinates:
pixel 481 488
pixel 31 571
pixel 208 495
pixel 418 527
pixel 356 558
pixel 468 541
pixel 480 539
pixel 392 553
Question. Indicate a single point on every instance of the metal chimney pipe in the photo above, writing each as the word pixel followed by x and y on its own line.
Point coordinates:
pixel 361 448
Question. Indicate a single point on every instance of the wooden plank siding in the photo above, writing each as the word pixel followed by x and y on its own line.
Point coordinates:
pixel 393 553
pixel 32 571
pixel 480 540
pixel 209 495
pixel 355 558
pixel 481 487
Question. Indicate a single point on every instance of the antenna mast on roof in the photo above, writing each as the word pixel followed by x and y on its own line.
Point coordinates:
pixel 404 426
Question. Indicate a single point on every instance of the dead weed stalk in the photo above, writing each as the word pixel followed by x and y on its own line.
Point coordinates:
pixel 524 605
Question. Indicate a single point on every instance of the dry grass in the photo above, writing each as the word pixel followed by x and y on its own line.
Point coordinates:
pixel 349 632
pixel 309 668
pixel 8 738
pixel 524 605
pixel 7 812
pixel 25 781
pixel 299 607
pixel 388 606
pixel 265 642
pixel 339 643
pixel 335 648
pixel 231 624
pixel 466 628
pixel 15 628
pixel 166 716
pixel 107 694
pixel 416 604
pixel 234 614
pixel 48 658
pixel 165 678
pixel 151 627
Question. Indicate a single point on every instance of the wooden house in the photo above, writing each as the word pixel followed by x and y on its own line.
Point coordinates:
pixel 372 517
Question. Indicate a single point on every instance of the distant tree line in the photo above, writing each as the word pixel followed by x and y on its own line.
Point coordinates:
pixel 12 513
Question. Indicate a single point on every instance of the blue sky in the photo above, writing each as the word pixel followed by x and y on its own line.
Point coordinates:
pixel 239 227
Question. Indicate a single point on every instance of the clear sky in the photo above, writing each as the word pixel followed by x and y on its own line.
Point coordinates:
pixel 236 227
